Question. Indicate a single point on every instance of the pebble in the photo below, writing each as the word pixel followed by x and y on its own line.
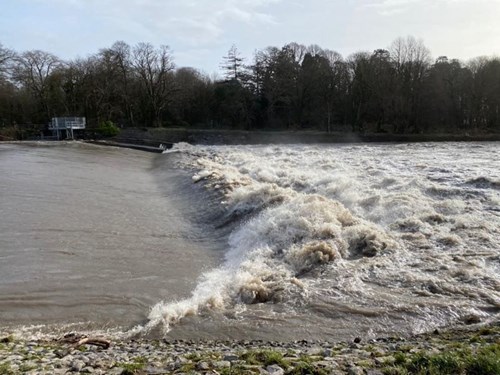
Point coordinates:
pixel 355 370
pixel 231 357
pixel 77 366
pixel 222 364
pixel 275 370
pixel 203 366
pixel 163 357
pixel 327 353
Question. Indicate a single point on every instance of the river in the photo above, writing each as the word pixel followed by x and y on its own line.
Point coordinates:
pixel 272 242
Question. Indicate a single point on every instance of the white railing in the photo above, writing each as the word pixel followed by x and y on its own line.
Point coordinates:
pixel 62 123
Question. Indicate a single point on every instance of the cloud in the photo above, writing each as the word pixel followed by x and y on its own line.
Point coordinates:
pixel 201 31
pixel 195 22
pixel 391 7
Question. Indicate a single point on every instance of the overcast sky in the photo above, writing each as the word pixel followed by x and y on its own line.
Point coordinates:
pixel 201 31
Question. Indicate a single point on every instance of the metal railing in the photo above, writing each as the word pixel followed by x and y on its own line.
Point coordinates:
pixel 62 123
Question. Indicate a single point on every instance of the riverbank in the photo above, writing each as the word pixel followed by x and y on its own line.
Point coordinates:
pixel 156 136
pixel 462 350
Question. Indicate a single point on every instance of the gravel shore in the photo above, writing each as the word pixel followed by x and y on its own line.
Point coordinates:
pixel 464 350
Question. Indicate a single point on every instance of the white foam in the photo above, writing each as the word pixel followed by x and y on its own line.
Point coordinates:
pixel 374 218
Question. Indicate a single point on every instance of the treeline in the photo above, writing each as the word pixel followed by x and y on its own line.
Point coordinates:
pixel 396 90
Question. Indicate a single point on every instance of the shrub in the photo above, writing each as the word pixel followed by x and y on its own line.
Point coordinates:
pixel 108 129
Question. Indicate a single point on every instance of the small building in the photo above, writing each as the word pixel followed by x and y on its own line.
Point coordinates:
pixel 58 125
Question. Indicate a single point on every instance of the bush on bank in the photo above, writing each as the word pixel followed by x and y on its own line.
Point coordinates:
pixel 108 129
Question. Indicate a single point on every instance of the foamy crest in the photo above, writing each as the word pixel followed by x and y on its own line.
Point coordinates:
pixel 388 229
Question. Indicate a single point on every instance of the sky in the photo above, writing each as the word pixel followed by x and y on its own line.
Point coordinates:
pixel 200 32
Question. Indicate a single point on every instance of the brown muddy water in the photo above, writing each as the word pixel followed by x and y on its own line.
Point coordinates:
pixel 87 234
pixel 271 242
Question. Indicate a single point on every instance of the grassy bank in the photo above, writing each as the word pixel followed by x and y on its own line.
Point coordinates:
pixel 457 351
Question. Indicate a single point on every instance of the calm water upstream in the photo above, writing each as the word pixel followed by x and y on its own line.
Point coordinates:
pixel 90 234
pixel 273 242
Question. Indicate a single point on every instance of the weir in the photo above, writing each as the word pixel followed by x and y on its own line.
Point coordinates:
pixel 156 149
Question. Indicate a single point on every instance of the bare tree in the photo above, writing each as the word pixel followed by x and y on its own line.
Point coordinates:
pixel 154 67
pixel 336 80
pixel 6 56
pixel 411 60
pixel 33 70
pixel 297 51
pixel 122 58
pixel 409 50
pixel 315 50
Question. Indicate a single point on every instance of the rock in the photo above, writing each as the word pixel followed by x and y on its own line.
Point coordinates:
pixel 59 372
pixel 275 370
pixel 327 353
pixel 326 364
pixel 357 340
pixel 203 366
pixel 14 357
pixel 378 352
pixel 355 370
pixel 77 366
pixel 314 352
pixel 222 364
pixel 231 358
pixel 179 363
pixel 384 361
pixel 61 353
pixel 114 371
pixel 156 371
pixel 84 359
pixel 88 370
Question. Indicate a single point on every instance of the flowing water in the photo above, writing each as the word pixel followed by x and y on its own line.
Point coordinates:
pixel 273 242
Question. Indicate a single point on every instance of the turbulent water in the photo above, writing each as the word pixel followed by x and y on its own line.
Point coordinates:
pixel 274 242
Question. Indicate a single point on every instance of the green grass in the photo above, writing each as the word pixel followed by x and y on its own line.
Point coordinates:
pixel 188 367
pixel 26 367
pixel 400 358
pixel 305 368
pixel 238 370
pixel 131 368
pixel 395 370
pixel 265 357
pixel 5 369
pixel 485 361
